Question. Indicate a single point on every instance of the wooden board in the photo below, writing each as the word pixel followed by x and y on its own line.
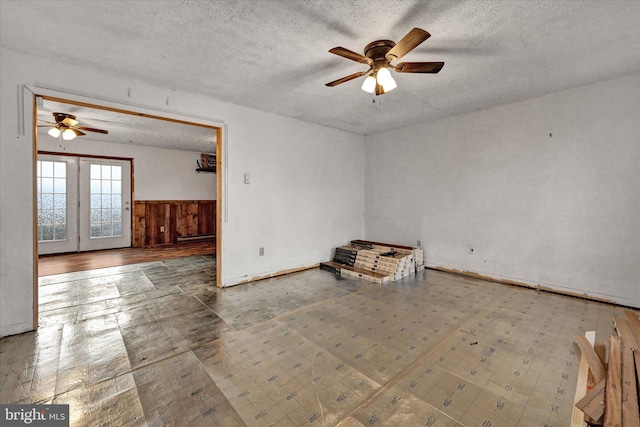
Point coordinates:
pixel 613 389
pixel 595 364
pixel 601 351
pixel 592 404
pixel 636 357
pixel 634 325
pixel 630 409
pixel 577 417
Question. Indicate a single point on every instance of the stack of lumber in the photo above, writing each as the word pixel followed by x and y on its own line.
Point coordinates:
pixel 607 390
pixel 394 265
pixel 345 270
pixel 418 253
pixel 377 262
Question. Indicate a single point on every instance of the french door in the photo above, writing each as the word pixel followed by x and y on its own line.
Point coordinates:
pixel 84 204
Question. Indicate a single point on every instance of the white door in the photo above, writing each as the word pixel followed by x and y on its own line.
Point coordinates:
pixel 84 204
pixel 105 204
pixel 57 204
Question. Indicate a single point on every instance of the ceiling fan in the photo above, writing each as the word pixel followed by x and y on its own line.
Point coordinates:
pixel 379 55
pixel 67 125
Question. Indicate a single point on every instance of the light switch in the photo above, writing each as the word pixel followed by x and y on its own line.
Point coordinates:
pixel 247 178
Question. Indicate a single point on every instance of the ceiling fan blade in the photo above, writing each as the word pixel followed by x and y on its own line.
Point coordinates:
pixel 349 54
pixel 77 132
pixel 346 79
pixel 92 129
pixel 407 44
pixel 419 67
pixel 70 122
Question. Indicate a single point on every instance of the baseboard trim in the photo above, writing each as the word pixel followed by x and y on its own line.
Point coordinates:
pixel 272 275
pixel 504 281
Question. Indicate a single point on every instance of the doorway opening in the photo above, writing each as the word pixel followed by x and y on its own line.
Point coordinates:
pixel 104 222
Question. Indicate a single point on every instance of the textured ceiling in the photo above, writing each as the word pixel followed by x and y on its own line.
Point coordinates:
pixel 129 128
pixel 272 55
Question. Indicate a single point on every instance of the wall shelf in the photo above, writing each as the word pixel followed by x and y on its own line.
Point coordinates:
pixel 208 170
pixel 209 167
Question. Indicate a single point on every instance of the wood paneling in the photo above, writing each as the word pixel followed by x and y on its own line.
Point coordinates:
pixel 162 222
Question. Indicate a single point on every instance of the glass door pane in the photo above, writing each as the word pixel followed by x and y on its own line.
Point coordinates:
pixel 105 201
pixel 56 188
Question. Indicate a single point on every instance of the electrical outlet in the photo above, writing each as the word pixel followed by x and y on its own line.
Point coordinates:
pixel 472 249
pixel 261 251
pixel 162 229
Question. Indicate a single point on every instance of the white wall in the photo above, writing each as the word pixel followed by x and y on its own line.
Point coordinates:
pixel 159 173
pixel 561 211
pixel 306 194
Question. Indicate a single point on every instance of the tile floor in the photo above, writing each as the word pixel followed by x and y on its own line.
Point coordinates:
pixel 158 344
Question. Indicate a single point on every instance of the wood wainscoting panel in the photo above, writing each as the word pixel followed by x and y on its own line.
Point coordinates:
pixel 206 218
pixel 163 222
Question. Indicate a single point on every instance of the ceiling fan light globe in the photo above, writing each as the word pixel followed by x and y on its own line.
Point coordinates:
pixel 369 84
pixel 384 76
pixel 54 132
pixel 390 84
pixel 68 134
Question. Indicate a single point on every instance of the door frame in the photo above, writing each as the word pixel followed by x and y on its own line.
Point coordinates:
pixel 57 95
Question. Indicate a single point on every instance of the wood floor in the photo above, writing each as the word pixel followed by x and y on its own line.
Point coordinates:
pixel 68 263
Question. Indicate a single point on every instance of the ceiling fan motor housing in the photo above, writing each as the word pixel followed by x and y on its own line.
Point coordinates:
pixel 59 117
pixel 378 49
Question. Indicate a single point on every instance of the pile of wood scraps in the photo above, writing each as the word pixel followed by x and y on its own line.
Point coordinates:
pixel 374 261
pixel 607 390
